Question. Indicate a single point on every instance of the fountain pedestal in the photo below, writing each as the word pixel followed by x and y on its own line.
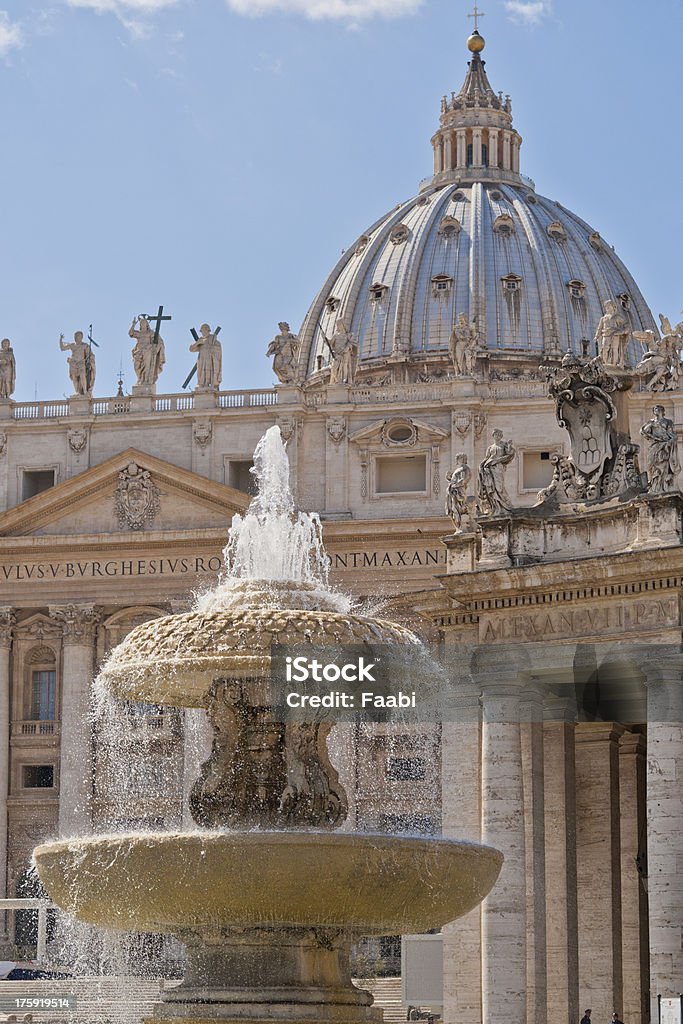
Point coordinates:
pixel 265 974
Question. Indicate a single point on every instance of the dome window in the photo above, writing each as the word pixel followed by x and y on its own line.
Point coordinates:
pixel 557 231
pixel 459 197
pixel 504 225
pixel 531 199
pixel 362 244
pixel 400 234
pixel 595 241
pixel 511 283
pixel 332 304
pixel 378 292
pixel 450 227
pixel 496 194
pixel 422 201
pixel 441 286
pixel 624 300
pixel 577 289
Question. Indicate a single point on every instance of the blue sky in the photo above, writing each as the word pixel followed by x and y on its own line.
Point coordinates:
pixel 217 155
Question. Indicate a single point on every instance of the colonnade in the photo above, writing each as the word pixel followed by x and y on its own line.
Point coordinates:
pixel 578 917
pixel 490 147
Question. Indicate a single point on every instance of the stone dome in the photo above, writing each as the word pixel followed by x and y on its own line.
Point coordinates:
pixel 477 240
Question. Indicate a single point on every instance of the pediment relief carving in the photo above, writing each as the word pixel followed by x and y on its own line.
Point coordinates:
pixel 93 501
pixel 37 627
pixel 398 432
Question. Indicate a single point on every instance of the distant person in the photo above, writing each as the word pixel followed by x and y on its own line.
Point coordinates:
pixel 586 1019
pixel 615 1019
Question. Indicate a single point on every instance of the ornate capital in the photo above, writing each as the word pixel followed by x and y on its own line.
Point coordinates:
pixel 78 622
pixel 7 622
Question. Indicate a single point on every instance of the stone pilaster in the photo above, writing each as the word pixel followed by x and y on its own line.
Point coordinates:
pixel 7 622
pixel 461 819
pixel 665 827
pixel 531 732
pixel 504 912
pixel 560 860
pixel 79 624
pixel 632 807
pixel 598 854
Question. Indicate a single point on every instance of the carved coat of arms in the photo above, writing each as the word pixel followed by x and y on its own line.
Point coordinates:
pixel 136 501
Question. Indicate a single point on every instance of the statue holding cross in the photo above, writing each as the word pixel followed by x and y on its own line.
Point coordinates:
pixel 148 354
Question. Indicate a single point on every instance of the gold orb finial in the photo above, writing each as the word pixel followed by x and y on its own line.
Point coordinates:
pixel 476 42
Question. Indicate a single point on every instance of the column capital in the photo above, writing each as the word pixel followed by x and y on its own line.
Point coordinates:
pixel 8 620
pixel 599 732
pixel 632 743
pixel 78 622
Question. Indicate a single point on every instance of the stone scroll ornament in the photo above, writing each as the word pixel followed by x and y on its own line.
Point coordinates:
pixel 602 463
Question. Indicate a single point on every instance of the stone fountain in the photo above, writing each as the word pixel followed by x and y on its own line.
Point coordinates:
pixel 265 896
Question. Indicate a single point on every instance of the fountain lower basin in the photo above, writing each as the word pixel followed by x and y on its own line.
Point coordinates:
pixel 268 918
pixel 366 884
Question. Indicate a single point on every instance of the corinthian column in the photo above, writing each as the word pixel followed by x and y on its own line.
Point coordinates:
pixel 461 819
pixel 504 920
pixel 79 623
pixel 7 620
pixel 665 824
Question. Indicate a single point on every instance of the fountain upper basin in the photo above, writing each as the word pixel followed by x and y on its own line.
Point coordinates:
pixel 174 660
pixel 363 884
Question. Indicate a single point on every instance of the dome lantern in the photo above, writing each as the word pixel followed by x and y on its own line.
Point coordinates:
pixel 476 140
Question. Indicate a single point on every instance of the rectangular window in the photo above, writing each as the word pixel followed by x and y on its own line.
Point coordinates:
pixel 43 695
pixel 38 776
pixel 415 824
pixel 35 481
pixel 406 769
pixel 537 470
pixel 240 477
pixel 399 474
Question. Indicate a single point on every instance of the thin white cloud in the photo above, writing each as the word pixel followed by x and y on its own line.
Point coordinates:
pixel 123 7
pixel 528 12
pixel 11 37
pixel 133 14
pixel 317 10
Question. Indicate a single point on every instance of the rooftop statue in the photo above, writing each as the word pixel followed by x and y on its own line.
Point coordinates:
pixel 602 462
pixel 283 350
pixel 612 336
pixel 81 363
pixel 459 505
pixel 344 351
pixel 149 355
pixel 493 497
pixel 662 361
pixel 209 358
pixel 463 346
pixel 8 369
pixel 663 465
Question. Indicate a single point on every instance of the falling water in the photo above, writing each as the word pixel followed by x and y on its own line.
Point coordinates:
pixel 142 772
pixel 274 543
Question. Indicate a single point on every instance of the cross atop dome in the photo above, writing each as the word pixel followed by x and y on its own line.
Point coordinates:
pixel 476 42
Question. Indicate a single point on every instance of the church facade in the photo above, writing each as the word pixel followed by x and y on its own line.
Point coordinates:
pixel 451 359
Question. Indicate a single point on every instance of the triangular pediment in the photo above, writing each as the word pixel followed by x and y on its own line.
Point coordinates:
pixel 130 493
